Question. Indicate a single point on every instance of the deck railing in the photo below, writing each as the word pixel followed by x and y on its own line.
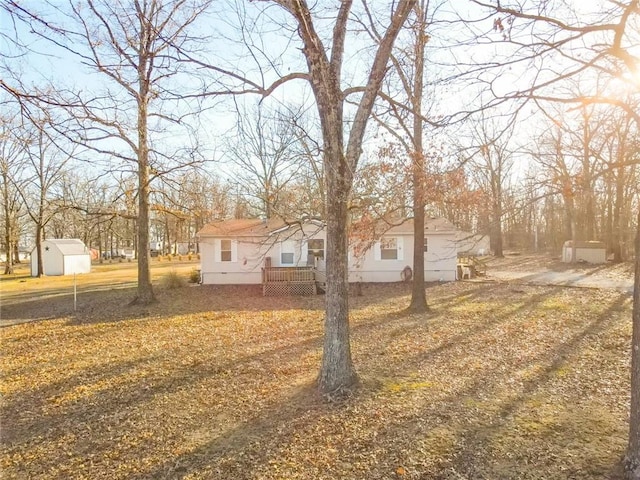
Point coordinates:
pixel 288 274
pixel 290 280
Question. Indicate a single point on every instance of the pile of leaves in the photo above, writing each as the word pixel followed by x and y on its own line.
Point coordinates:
pixel 498 381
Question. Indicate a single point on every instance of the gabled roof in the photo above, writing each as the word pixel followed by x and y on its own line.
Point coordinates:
pixel 69 246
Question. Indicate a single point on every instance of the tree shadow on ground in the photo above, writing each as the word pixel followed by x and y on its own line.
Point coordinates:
pixel 474 419
pixel 249 414
pixel 104 305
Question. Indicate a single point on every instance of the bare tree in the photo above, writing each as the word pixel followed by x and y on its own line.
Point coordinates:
pixel 135 46
pixel 492 167
pixel 408 128
pixel 342 147
pixel 341 160
pixel 264 151
pixel 605 45
pixel 46 161
pixel 11 165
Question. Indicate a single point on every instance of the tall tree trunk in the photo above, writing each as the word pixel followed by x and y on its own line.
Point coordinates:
pixel 609 237
pixel 587 191
pixel 418 296
pixel 496 229
pixel 337 371
pixel 16 249
pixel 618 230
pixel 8 233
pixel 145 289
pixel 8 264
pixel 633 450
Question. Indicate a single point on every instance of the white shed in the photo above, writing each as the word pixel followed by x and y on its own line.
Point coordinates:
pixel 590 252
pixel 63 256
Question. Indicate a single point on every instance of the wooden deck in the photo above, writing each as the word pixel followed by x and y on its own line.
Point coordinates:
pixel 281 281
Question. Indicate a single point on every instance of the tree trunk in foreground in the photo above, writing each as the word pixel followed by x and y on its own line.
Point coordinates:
pixel 418 296
pixel 337 372
pixel 633 452
pixel 145 294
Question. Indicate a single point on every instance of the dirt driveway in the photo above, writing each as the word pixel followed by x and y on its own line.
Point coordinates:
pixel 548 270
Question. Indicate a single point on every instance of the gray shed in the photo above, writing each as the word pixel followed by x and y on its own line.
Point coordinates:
pixel 590 252
pixel 64 256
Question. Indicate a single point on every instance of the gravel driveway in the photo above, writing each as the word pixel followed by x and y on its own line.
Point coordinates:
pixel 544 270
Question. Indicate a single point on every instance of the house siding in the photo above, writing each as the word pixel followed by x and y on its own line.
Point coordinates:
pixel 250 254
pixel 440 261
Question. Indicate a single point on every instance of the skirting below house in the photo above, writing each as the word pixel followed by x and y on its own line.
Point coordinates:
pixel 279 289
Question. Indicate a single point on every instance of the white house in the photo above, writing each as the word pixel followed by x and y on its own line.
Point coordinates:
pixel 234 251
pixel 64 256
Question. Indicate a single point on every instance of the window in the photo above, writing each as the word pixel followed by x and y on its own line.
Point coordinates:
pixel 287 253
pixel 225 250
pixel 316 248
pixel 388 248
pixel 426 244
pixel 286 258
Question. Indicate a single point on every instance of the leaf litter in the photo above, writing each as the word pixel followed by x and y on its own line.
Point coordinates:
pixel 495 382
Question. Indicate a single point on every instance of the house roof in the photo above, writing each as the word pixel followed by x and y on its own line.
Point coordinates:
pixel 241 227
pixel 438 225
pixel 68 246
pixel 255 227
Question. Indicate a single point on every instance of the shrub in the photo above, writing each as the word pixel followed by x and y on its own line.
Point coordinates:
pixel 189 256
pixel 194 275
pixel 172 280
pixel 169 257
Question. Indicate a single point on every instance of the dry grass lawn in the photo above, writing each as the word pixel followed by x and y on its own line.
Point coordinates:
pixel 500 381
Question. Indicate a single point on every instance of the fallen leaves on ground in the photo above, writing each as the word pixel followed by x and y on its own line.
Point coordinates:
pixel 496 382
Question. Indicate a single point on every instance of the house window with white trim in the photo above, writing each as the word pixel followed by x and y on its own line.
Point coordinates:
pixel 316 248
pixel 225 251
pixel 389 248
pixel 426 244
pixel 287 253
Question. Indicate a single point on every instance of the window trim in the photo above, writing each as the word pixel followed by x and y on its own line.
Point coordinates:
pixel 387 241
pixel 287 247
pixel 224 251
pixel 310 251
pixel 233 255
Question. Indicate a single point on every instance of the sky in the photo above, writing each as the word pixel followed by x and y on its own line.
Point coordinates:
pixel 44 63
